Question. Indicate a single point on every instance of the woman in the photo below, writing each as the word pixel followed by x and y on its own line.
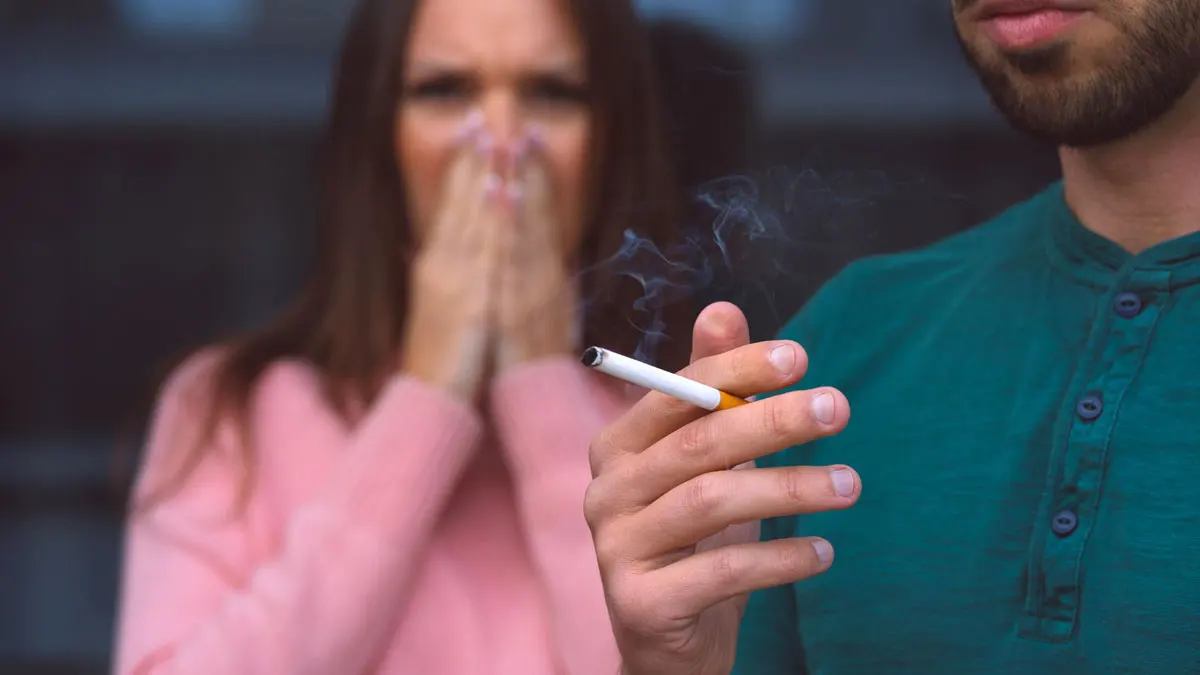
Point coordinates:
pixel 389 478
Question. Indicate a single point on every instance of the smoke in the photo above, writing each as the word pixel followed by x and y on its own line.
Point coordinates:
pixel 665 277
pixel 747 235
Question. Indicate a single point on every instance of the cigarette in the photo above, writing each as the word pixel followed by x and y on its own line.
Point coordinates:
pixel 649 377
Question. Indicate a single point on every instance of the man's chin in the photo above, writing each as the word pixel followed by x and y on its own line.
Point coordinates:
pixel 1067 120
pixel 1098 83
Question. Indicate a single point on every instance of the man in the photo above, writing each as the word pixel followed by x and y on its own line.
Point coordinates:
pixel 1026 412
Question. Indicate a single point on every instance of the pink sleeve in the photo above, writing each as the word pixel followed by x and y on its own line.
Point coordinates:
pixel 196 599
pixel 547 414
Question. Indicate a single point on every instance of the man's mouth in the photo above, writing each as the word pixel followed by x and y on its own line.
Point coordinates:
pixel 1023 24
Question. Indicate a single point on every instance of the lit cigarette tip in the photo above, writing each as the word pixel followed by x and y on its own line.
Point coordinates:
pixel 592 357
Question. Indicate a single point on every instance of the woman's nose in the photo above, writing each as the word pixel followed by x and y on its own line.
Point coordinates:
pixel 502 118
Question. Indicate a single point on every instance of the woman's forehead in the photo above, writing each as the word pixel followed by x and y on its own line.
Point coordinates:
pixel 496 33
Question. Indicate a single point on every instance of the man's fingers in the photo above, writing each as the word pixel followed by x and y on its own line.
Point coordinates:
pixel 702 580
pixel 744 371
pixel 707 504
pixel 728 438
pixel 719 328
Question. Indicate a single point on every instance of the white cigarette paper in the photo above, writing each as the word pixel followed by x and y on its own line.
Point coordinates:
pixel 647 376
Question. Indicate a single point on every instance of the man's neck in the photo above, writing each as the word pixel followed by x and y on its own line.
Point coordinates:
pixel 1143 190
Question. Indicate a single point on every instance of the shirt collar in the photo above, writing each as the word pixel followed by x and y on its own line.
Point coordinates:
pixel 1100 262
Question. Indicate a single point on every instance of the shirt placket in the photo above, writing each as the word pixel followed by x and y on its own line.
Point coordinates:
pixel 1120 334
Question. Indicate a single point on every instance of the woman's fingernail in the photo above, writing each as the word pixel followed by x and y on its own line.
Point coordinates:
pixel 824 551
pixel 522 150
pixel 491 185
pixel 516 153
pixel 783 358
pixel 470 125
pixel 535 136
pixel 843 482
pixel 514 193
pixel 823 408
pixel 465 136
pixel 485 144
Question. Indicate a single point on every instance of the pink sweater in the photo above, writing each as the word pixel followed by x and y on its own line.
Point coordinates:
pixel 426 540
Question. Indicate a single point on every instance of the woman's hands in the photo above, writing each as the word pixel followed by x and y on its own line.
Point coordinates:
pixel 447 338
pixel 536 306
pixel 490 286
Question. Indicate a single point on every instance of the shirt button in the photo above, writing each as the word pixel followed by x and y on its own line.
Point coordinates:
pixel 1089 408
pixel 1064 522
pixel 1128 305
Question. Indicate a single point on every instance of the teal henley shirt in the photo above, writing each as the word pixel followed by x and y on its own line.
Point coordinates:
pixel 1026 421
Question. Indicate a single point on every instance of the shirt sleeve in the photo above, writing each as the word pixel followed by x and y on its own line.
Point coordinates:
pixel 546 414
pixel 200 597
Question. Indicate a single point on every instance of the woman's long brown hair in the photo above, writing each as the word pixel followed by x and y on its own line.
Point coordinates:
pixel 349 320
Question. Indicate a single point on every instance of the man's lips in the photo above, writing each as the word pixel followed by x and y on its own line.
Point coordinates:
pixel 1021 24
pixel 989 9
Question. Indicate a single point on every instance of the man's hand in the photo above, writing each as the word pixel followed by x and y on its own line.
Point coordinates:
pixel 664 481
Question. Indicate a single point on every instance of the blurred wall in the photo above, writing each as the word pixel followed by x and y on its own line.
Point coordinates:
pixel 156 192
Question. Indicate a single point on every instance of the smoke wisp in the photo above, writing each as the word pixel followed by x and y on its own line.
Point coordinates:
pixel 746 235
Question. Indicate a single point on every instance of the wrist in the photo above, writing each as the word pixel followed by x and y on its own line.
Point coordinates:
pixel 524 350
pixel 455 382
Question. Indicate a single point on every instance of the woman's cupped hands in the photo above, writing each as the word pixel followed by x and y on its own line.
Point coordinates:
pixel 491 286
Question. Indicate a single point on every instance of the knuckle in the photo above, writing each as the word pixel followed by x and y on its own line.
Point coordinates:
pixel 610 541
pixel 791 486
pixel 779 419
pixel 725 565
pixel 696 438
pixel 702 496
pixel 599 449
pixel 594 503
pixel 606 499
pixel 608 549
pixel 636 608
pixel 740 364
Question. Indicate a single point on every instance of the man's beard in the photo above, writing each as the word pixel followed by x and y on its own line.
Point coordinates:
pixel 1160 64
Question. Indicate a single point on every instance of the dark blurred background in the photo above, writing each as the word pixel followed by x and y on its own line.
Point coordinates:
pixel 157 192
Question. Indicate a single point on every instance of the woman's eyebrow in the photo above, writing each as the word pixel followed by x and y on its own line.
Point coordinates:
pixel 424 67
pixel 565 67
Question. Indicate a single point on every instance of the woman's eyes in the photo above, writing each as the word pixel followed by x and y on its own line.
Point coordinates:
pixel 535 91
pixel 443 87
pixel 555 91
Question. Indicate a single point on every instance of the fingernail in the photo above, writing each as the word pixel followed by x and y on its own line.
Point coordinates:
pixel 824 551
pixel 485 144
pixel 534 133
pixel 514 156
pixel 470 125
pixel 822 408
pixel 492 184
pixel 783 358
pixel 843 482
pixel 514 194
pixel 520 148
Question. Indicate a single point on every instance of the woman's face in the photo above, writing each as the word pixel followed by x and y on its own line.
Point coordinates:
pixel 519 63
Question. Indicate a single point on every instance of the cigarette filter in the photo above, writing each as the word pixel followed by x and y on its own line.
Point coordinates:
pixel 649 377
